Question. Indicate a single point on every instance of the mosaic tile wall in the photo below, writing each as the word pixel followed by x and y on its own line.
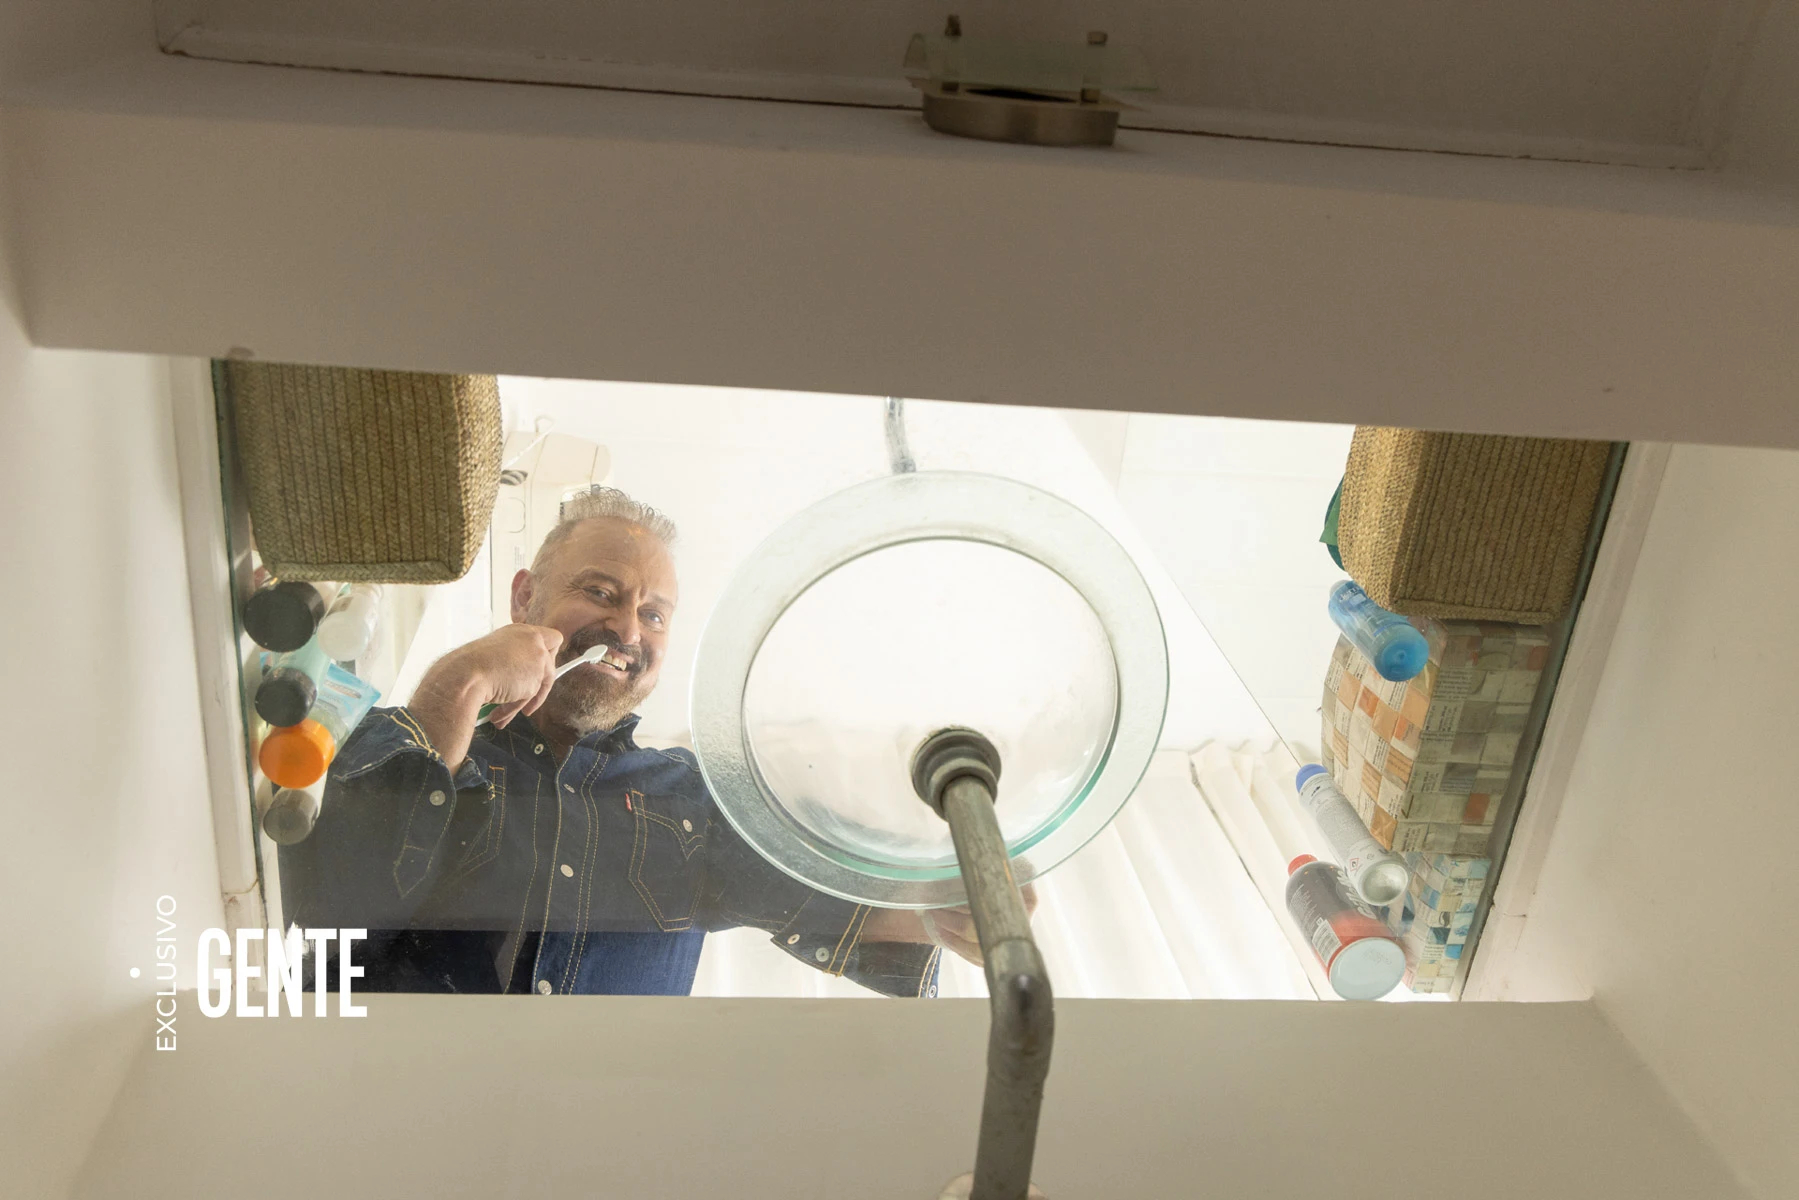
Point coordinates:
pixel 1426 761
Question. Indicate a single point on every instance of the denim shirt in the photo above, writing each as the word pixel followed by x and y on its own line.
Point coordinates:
pixel 601 874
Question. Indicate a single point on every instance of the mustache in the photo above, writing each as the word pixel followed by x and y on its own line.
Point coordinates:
pixel 586 640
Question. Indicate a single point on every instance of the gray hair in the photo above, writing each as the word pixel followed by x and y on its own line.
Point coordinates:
pixel 598 501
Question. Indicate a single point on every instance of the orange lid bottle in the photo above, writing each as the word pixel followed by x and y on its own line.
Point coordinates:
pixel 295 756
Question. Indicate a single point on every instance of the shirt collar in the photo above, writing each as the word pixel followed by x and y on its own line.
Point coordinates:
pixel 611 740
pixel 617 738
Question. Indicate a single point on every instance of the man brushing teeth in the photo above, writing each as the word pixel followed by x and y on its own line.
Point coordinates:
pixel 545 851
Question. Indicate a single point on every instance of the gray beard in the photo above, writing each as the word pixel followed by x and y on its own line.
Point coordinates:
pixel 586 706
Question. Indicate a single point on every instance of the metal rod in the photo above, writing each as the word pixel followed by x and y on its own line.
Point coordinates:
pixel 1020 1007
pixel 899 455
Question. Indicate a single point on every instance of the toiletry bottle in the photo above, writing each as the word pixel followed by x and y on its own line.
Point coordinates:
pixel 290 685
pixel 1393 644
pixel 1360 955
pixel 349 626
pixel 1378 874
pixel 297 756
pixel 283 616
pixel 287 815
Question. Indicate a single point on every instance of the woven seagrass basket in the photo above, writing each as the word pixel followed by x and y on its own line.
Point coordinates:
pixel 1470 526
pixel 378 476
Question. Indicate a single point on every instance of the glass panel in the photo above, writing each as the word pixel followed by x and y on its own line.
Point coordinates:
pixel 862 609
pixel 948 633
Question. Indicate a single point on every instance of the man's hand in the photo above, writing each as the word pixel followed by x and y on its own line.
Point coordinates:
pixel 513 667
pixel 954 926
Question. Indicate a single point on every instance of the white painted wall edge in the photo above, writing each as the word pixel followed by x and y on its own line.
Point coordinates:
pixel 777 1099
pixel 1614 566
pixel 210 592
pixel 1145 112
pixel 441 225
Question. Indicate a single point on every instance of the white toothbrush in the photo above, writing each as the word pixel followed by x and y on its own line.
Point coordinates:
pixel 593 654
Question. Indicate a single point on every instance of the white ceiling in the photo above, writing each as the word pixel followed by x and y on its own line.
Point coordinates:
pixel 1605 80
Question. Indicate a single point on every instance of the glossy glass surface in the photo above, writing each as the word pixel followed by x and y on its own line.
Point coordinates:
pixel 902 605
pixel 891 647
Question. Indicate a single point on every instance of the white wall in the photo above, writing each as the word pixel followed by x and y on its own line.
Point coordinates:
pixel 41 39
pixel 1668 891
pixel 1531 78
pixel 104 807
pixel 182 207
pixel 804 1100
pixel 435 224
pixel 1764 142
pixel 731 466
pixel 1233 509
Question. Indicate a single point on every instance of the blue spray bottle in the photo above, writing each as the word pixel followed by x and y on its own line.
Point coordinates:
pixel 1392 643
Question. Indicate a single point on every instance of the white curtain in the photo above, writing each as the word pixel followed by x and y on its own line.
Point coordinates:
pixel 1159 906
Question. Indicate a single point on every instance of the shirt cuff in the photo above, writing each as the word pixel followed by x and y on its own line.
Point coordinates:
pixel 897 968
pixel 824 932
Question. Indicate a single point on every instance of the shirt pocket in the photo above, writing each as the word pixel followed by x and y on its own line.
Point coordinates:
pixel 483 844
pixel 669 831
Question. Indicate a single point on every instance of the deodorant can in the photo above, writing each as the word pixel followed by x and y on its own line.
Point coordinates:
pixel 1361 956
pixel 1376 873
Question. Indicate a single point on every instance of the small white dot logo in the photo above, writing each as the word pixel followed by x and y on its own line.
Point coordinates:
pixel 135 972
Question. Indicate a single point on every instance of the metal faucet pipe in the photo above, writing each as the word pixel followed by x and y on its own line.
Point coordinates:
pixel 956 772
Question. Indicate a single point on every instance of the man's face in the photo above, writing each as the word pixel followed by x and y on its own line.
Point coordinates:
pixel 608 583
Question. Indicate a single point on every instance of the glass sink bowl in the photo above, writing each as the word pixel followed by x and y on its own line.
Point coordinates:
pixel 895 645
pixel 898 607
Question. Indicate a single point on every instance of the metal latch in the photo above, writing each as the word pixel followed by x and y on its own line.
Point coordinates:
pixel 1007 90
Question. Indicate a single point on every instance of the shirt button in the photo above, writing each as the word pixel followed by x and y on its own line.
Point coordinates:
pixel 821 954
pixel 568 870
pixel 568 787
pixel 544 988
pixel 537 749
pixel 687 825
pixel 437 798
pixel 793 939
